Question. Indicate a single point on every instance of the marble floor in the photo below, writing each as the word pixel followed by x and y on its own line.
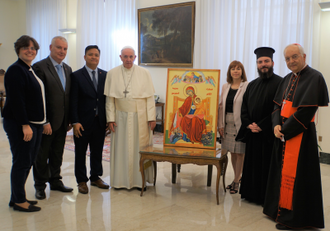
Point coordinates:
pixel 186 205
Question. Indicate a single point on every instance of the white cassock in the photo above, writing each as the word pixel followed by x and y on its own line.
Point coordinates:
pixel 131 111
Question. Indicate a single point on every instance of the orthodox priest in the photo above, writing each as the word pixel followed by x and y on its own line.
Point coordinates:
pixel 131 115
pixel 294 191
pixel 256 129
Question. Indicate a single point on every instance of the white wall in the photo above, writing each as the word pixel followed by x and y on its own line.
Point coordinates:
pixel 323 126
pixel 12 26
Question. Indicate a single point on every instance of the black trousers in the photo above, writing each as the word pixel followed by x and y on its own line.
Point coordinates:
pixel 47 167
pixel 93 136
pixel 24 154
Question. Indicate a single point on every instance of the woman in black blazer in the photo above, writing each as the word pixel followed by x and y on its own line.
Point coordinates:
pixel 23 119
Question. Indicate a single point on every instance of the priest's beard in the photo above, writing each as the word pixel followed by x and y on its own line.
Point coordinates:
pixel 266 75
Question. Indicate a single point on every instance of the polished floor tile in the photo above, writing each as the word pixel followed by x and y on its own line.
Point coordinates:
pixel 186 205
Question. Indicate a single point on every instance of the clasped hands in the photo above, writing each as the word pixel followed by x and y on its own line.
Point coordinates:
pixel 254 128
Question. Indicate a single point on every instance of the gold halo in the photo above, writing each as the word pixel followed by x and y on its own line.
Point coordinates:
pixel 185 87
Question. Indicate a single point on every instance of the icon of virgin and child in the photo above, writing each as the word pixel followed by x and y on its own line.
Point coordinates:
pixel 189 123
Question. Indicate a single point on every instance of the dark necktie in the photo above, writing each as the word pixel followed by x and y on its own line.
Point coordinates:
pixel 59 72
pixel 94 80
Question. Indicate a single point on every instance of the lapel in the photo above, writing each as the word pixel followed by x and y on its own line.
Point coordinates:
pixel 67 75
pixel 101 81
pixel 88 78
pixel 52 70
pixel 239 90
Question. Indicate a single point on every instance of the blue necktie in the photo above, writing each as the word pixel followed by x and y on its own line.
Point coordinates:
pixel 94 80
pixel 60 74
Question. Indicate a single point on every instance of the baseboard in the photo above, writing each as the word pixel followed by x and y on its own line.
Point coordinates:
pixel 324 158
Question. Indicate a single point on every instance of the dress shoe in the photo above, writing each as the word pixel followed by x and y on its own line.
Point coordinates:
pixel 11 204
pixel 40 194
pixel 82 188
pixel 61 187
pixel 31 208
pixel 282 227
pixel 100 183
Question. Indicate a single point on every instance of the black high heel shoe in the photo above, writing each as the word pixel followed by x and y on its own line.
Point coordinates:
pixel 230 185
pixel 234 188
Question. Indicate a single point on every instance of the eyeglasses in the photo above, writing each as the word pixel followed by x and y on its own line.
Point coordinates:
pixel 27 48
pixel 293 57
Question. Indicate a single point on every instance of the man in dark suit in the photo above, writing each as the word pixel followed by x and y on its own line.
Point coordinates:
pixel 56 77
pixel 88 119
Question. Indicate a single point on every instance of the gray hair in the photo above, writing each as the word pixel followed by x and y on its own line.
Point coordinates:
pixel 127 47
pixel 59 37
pixel 301 49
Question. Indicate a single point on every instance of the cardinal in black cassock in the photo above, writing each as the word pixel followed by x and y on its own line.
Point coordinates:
pixel 294 191
pixel 257 108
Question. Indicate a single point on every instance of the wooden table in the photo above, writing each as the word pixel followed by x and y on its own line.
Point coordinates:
pixel 178 155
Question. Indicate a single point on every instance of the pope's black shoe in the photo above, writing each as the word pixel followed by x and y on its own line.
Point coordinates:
pixel 61 187
pixel 11 204
pixel 31 208
pixel 40 194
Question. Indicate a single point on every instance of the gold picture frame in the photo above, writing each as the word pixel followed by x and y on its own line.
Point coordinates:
pixel 191 112
pixel 166 35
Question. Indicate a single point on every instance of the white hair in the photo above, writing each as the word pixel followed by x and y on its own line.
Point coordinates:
pixel 127 47
pixel 301 49
pixel 60 38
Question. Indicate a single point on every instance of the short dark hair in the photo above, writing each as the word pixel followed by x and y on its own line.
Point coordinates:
pixel 92 47
pixel 236 63
pixel 24 41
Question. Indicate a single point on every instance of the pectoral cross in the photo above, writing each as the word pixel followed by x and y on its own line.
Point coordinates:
pixel 125 92
pixel 283 104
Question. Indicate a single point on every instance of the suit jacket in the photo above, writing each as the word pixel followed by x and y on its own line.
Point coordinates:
pixel 57 98
pixel 84 98
pixel 24 101
pixel 236 107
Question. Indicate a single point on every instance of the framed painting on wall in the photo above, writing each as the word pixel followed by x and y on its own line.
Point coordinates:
pixel 166 35
pixel 191 113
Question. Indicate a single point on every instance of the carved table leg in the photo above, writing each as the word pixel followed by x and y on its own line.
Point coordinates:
pixel 173 173
pixel 209 175
pixel 155 171
pixel 218 165
pixel 224 164
pixel 142 173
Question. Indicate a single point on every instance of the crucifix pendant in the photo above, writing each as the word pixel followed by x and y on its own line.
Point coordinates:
pixel 283 103
pixel 125 92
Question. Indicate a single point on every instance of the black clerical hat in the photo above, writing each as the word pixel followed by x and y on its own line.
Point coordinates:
pixel 264 51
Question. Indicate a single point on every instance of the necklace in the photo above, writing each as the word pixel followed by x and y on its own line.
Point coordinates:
pixel 125 92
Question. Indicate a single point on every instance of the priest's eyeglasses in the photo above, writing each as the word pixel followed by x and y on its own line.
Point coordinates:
pixel 293 57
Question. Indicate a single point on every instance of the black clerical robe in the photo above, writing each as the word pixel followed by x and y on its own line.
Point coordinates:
pixel 296 200
pixel 257 107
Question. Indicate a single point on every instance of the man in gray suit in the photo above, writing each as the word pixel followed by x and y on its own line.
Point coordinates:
pixel 56 77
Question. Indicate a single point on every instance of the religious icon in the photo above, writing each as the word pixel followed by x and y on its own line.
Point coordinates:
pixel 191 108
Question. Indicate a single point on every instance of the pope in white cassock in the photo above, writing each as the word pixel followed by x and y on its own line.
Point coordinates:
pixel 131 115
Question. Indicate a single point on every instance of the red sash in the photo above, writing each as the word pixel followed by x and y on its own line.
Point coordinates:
pixel 290 160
